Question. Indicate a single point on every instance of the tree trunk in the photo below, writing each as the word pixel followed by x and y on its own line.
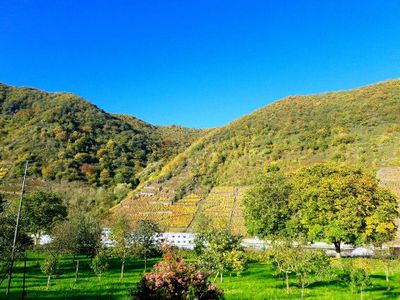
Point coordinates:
pixel 145 264
pixel 287 283
pixel 387 279
pixel 215 278
pixel 77 270
pixel 361 293
pixel 302 289
pixel 48 281
pixel 221 276
pixel 337 248
pixel 122 269
pixel 36 238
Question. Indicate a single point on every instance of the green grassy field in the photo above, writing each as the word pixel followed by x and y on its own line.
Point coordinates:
pixel 257 282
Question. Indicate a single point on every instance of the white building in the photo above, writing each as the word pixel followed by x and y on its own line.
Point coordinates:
pixel 182 240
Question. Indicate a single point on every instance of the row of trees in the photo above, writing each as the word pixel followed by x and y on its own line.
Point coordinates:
pixel 77 234
pixel 81 235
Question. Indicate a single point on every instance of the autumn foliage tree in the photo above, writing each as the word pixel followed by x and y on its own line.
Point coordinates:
pixel 342 204
pixel 328 203
pixel 220 251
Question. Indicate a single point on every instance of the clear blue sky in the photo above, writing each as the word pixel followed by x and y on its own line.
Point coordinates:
pixel 197 63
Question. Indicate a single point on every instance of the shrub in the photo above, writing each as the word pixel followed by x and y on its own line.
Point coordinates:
pixel 49 268
pixel 173 278
pixel 99 264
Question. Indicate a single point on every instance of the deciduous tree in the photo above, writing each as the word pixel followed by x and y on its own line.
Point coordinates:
pixel 122 238
pixel 219 250
pixel 341 204
pixel 42 210
pixel 267 206
pixel 146 240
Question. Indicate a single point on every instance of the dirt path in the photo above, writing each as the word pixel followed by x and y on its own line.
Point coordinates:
pixel 199 205
pixel 235 203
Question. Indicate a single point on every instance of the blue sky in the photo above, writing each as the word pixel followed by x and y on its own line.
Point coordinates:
pixel 197 63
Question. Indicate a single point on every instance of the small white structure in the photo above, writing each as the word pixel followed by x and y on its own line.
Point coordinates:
pixel 361 251
pixel 254 243
pixel 182 240
pixel 44 239
pixel 148 191
pixel 105 237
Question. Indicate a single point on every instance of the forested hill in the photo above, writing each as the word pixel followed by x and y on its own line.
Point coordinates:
pixel 357 127
pixel 66 138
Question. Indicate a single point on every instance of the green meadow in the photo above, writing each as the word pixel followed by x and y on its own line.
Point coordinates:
pixel 257 282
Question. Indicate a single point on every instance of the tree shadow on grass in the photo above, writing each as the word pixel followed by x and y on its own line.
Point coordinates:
pixel 50 295
pixel 327 283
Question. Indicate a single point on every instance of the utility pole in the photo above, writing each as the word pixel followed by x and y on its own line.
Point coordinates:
pixel 16 232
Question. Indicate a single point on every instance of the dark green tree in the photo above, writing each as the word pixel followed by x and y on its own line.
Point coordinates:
pixel 267 209
pixel 43 210
pixel 7 230
pixel 80 235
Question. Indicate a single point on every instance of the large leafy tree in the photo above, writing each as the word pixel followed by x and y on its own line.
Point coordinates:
pixel 323 202
pixel 341 204
pixel 7 230
pixel 267 206
pixel 80 235
pixel 42 210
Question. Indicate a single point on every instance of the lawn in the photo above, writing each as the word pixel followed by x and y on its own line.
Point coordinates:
pixel 257 282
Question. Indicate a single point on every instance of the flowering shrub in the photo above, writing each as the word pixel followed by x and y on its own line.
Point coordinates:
pixel 173 278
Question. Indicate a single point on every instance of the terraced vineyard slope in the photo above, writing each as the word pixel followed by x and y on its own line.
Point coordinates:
pixel 223 205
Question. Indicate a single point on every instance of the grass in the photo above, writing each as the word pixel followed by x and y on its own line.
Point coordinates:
pixel 63 285
pixel 257 282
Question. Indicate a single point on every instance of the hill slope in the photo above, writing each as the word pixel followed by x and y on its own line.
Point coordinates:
pixel 359 127
pixel 66 138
